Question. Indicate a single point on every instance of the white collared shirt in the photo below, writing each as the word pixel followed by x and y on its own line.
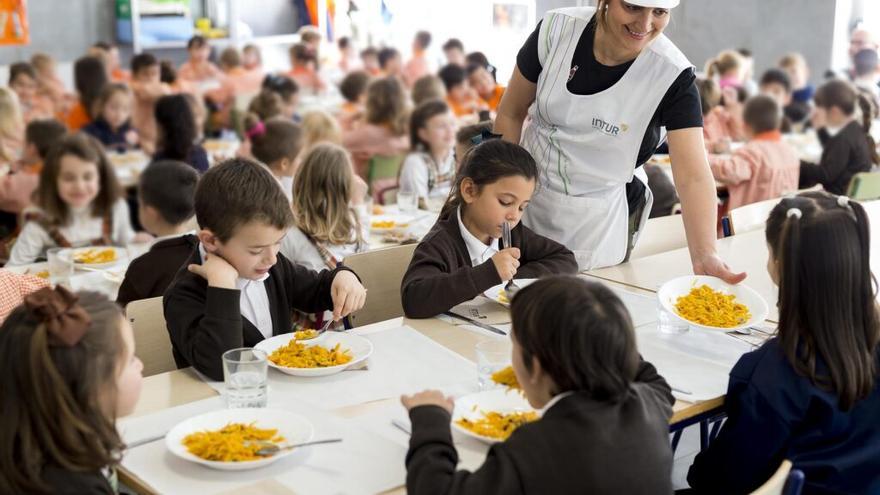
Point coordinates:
pixel 552 402
pixel 253 302
pixel 478 252
pixel 157 240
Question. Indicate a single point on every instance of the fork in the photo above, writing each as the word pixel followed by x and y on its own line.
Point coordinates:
pixel 511 288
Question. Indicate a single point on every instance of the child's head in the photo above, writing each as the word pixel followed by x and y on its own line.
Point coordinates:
pixel 481 79
pixel 320 127
pixel 200 112
pixel 302 55
pixel 266 104
pixel 230 59
pixel 114 104
pixel 798 71
pixel 710 94
pixel 837 101
pixel 311 36
pixel 23 80
pixel 370 59
pixel 422 41
pixel 166 189
pixel 390 61
pixel 11 122
pixel 167 72
pixel 287 89
pixel 322 195
pixel 89 77
pixel 145 68
pixel 69 371
pixel 386 104
pixel 762 114
pixel 432 127
pixel 244 232
pixel 77 175
pixel 344 45
pixel 198 48
pixel 494 185
pixel 454 51
pixel 820 258
pixel 101 51
pixel 469 136
pixel 591 350
pixel 865 62
pixel 354 87
pixel 776 84
pixel 275 142
pixel 251 57
pixel 177 126
pixel 728 64
pixel 40 136
pixel 748 63
pixel 44 64
pixel 426 88
pixel 454 78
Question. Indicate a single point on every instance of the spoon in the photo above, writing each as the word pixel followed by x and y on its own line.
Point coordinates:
pixel 269 449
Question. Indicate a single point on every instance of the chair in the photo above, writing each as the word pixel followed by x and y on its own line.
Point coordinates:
pixel 388 196
pixel 381 271
pixel 785 481
pixel 751 217
pixel 660 235
pixel 151 341
pixel 382 173
pixel 864 186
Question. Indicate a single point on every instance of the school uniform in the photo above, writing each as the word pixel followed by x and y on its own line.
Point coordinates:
pixel 451 266
pixel 580 445
pixel 197 158
pixel 845 153
pixel 774 414
pixel 204 322
pixel 765 168
pixel 109 137
pixel 64 482
pixel 303 249
pixel 427 178
pixel 151 273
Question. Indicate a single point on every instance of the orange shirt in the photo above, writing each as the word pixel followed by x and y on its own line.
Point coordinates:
pixel 120 75
pixel 495 100
pixel 307 78
pixel 465 108
pixel 76 118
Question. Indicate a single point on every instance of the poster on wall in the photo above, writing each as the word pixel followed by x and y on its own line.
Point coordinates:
pixel 13 22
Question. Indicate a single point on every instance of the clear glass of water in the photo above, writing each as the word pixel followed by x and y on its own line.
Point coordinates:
pixel 60 266
pixel 668 322
pixel 492 355
pixel 245 373
pixel 407 201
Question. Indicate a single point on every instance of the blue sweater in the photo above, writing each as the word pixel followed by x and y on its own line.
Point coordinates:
pixel 111 139
pixel 776 414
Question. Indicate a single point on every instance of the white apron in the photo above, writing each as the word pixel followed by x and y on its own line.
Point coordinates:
pixel 586 146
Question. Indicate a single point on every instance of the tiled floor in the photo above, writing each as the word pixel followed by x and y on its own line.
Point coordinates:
pixel 688 447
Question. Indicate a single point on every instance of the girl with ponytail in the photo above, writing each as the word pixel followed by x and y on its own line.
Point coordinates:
pixel 811 394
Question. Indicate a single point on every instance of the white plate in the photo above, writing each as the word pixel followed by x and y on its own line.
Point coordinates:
pixel 401 222
pixel 495 291
pixel 672 290
pixel 293 427
pixel 359 347
pixel 472 406
pixel 70 254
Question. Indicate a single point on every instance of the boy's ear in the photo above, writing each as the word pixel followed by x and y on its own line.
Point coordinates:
pixel 209 240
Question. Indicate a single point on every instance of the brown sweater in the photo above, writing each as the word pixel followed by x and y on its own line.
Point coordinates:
pixel 151 273
pixel 441 276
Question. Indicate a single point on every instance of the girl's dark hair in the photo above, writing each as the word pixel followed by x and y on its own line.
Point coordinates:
pixel 489 162
pixel 354 85
pixel 284 86
pixel 581 334
pixel 21 68
pixel 274 139
pixel 419 119
pixel 54 397
pixel 167 72
pixel 828 322
pixel 843 95
pixel 87 149
pixel 177 127
pixel 89 77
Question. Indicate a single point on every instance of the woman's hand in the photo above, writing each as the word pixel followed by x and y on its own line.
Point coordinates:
pixel 713 265
pixel 428 398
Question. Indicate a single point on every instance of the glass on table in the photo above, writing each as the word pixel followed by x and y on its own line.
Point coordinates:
pixel 670 323
pixel 407 201
pixel 60 266
pixel 245 374
pixel 492 355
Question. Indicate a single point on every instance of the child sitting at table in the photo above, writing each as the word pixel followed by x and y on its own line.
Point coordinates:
pixel 429 170
pixel 23 80
pixel 727 69
pixel 165 199
pixel 795 65
pixel 427 88
pixel 147 87
pixel 383 131
pixel 370 61
pixel 776 84
pixel 462 99
pixel 303 69
pixel 717 122
pixel 419 65
pixel 461 257
pixel 604 425
pixel 288 90
pixel 252 59
pixel 199 70
pixel 236 290
pixel 764 168
pixel 17 186
pixel 326 225
pixel 178 133
pixel 236 81
pixel 391 63
pixel 90 78
pixel 354 89
pixel 319 127
pixel 49 85
pixel 277 143
pixel 112 126
pixel 847 146
pixel 69 371
pixel 485 85
pixel 78 203
pixel 811 394
pixel 12 127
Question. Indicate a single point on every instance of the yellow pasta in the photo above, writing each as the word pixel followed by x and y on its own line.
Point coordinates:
pixel 297 355
pixel 506 377
pixel 705 306
pixel 383 224
pixel 497 425
pixel 91 256
pixel 235 442
pixel 502 297
pixel 305 334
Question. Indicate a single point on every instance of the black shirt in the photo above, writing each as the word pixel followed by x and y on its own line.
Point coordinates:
pixel 679 109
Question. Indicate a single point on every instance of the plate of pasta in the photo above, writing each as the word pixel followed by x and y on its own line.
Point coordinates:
pixel 493 415
pixel 94 256
pixel 331 353
pixel 713 304
pixel 230 439
pixel 382 224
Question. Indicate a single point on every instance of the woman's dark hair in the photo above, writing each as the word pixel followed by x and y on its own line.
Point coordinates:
pixel 420 117
pixel 21 68
pixel 89 77
pixel 489 162
pixel 845 96
pixel 581 334
pixel 177 127
pixel 828 322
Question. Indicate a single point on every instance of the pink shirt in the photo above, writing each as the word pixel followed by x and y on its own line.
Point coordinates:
pixel 719 124
pixel 765 168
pixel 369 140
pixel 414 69
pixel 13 289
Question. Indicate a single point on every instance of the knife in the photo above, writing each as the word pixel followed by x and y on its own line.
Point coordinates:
pixel 475 323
